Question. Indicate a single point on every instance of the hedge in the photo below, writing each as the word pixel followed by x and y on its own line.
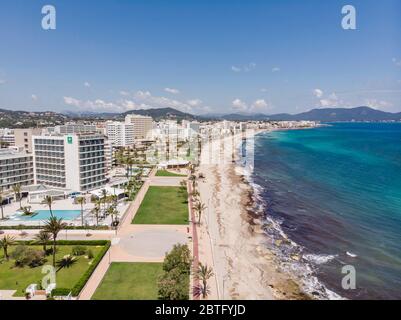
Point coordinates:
pixel 60 292
pixel 23 227
pixel 85 277
pixel 69 242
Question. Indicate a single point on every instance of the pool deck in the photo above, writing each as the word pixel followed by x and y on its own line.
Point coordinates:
pixel 67 204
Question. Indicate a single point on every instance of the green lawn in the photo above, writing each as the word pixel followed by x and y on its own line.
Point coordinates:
pixel 163 205
pixel 130 281
pixel 14 278
pixel 165 173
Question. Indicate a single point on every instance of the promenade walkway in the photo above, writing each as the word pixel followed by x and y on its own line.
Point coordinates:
pixel 138 243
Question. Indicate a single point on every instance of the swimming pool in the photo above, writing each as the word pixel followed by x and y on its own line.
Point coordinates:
pixel 45 214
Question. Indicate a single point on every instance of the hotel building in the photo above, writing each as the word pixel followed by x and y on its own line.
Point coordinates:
pixel 142 125
pixel 72 161
pixel 120 134
pixel 16 167
pixel 23 137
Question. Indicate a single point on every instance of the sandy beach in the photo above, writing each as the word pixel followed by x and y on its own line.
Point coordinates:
pixel 231 239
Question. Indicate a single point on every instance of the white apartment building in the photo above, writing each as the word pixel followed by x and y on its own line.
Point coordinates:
pixel 120 134
pixel 16 167
pixel 73 161
pixel 71 128
pixel 142 125
pixel 7 137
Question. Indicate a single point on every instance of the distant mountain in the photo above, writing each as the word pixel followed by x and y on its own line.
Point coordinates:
pixel 26 119
pixel 323 115
pixel 245 117
pixel 163 113
pixel 23 119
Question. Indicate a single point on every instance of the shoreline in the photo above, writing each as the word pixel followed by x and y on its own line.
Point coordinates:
pixel 245 268
pixel 289 257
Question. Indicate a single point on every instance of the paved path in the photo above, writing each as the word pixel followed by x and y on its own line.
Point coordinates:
pixel 139 243
pixel 195 241
pixel 167 181
pixel 131 243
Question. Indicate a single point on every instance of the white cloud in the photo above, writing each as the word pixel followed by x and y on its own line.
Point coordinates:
pixel 330 101
pixel 239 105
pixel 260 104
pixel 87 84
pixel 246 68
pixel 172 90
pixel 162 102
pixel 2 81
pixel 138 100
pixel 318 93
pixel 194 102
pixel 276 69
pixel 378 104
pixel 397 62
pixel 263 90
pixel 34 97
pixel 72 101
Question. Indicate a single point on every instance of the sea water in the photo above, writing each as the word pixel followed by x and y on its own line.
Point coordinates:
pixel 335 192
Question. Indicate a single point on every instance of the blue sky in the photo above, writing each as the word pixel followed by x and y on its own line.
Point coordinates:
pixel 200 56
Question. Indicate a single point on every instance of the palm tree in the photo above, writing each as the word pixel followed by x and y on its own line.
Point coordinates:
pixel 130 162
pixel 54 226
pixel 104 198
pixel 203 274
pixel 17 193
pixel 110 211
pixel 82 201
pixel 114 215
pixel 6 242
pixel 199 207
pixel 1 204
pixel 96 211
pixel 120 157
pixel 195 194
pixel 43 238
pixel 48 200
pixel 193 179
pixel 66 262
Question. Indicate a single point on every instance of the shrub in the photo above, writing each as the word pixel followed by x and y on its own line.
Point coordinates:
pixel 90 254
pixel 174 283
pixel 24 256
pixel 179 257
pixel 60 292
pixel 78 250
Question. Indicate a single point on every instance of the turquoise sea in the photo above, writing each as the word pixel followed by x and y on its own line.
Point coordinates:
pixel 335 191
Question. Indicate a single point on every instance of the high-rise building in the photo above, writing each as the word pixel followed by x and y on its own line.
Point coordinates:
pixel 23 137
pixel 142 125
pixel 71 128
pixel 120 134
pixel 16 167
pixel 72 161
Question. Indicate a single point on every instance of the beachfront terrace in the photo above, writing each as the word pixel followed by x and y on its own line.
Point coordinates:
pixel 67 208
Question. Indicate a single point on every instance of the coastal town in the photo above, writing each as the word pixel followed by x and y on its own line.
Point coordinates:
pixel 134 209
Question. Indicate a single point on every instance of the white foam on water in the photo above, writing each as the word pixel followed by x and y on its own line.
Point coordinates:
pixel 319 258
pixel 350 254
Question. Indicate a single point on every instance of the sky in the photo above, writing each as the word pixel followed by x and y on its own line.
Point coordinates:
pixel 202 57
